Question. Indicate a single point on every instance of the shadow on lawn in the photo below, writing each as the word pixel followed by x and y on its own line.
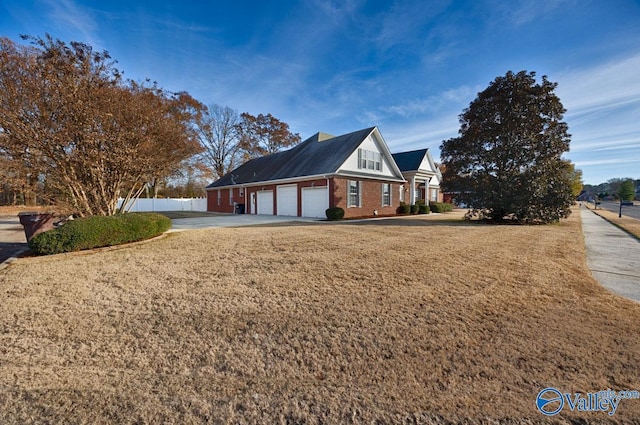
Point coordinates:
pixel 11 249
pixel 397 222
pixel 400 222
pixel 173 215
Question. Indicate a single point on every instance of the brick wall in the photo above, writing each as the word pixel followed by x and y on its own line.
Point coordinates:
pixel 225 206
pixel 371 198
pixel 338 197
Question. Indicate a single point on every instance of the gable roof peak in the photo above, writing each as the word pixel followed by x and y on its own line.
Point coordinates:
pixel 411 160
pixel 413 151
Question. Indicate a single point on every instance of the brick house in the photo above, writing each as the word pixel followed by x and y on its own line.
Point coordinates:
pixel 355 171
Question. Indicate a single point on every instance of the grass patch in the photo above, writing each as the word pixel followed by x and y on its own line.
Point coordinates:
pixel 316 324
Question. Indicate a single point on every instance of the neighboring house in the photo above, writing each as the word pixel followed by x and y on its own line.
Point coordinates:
pixel 587 196
pixel 354 171
pixel 422 176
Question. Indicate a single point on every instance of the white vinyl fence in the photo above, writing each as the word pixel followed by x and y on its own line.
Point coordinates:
pixel 167 204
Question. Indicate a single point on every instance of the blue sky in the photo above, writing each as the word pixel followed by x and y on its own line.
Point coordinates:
pixel 408 67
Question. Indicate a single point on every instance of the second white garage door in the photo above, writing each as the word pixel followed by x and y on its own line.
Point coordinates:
pixel 265 202
pixel 287 200
pixel 315 201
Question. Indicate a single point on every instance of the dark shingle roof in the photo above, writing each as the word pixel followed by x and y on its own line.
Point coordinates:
pixel 409 161
pixel 316 155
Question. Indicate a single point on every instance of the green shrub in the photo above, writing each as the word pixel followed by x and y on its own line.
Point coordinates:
pixel 415 208
pixel 99 231
pixel 403 208
pixel 335 213
pixel 423 209
pixel 440 207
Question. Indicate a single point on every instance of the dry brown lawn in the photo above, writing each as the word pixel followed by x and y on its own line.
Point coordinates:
pixel 421 322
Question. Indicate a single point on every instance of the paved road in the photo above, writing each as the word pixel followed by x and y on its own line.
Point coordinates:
pixel 612 255
pixel 633 212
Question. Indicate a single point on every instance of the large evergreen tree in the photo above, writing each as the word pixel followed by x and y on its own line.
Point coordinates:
pixel 507 160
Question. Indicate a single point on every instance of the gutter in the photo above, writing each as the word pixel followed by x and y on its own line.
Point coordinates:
pixel 268 182
pixel 310 177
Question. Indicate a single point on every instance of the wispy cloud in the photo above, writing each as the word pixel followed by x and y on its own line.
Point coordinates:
pixel 71 17
pixel 603 111
pixel 445 101
pixel 518 13
pixel 404 23
pixel 610 161
pixel 609 86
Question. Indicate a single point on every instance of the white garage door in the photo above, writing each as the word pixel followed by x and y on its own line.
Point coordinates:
pixel 265 202
pixel 315 201
pixel 287 200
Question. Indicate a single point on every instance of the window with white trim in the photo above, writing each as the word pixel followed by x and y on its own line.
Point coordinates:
pixel 369 160
pixel 401 197
pixel 354 194
pixel 434 195
pixel 386 194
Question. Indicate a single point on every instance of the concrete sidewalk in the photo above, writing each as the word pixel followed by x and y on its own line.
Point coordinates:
pixel 612 255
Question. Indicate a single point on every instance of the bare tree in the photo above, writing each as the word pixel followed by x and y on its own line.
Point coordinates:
pixel 88 135
pixel 218 130
pixel 265 135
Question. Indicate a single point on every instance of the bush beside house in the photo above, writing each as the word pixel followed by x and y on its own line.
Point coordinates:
pixel 100 231
pixel 335 213
pixel 440 207
pixel 403 209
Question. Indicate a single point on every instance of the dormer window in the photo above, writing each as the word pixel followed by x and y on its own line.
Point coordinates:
pixel 369 160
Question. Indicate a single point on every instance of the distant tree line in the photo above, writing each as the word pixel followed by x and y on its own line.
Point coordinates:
pixel 75 133
pixel 615 189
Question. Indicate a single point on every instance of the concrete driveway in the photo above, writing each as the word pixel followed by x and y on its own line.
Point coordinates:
pixel 612 255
